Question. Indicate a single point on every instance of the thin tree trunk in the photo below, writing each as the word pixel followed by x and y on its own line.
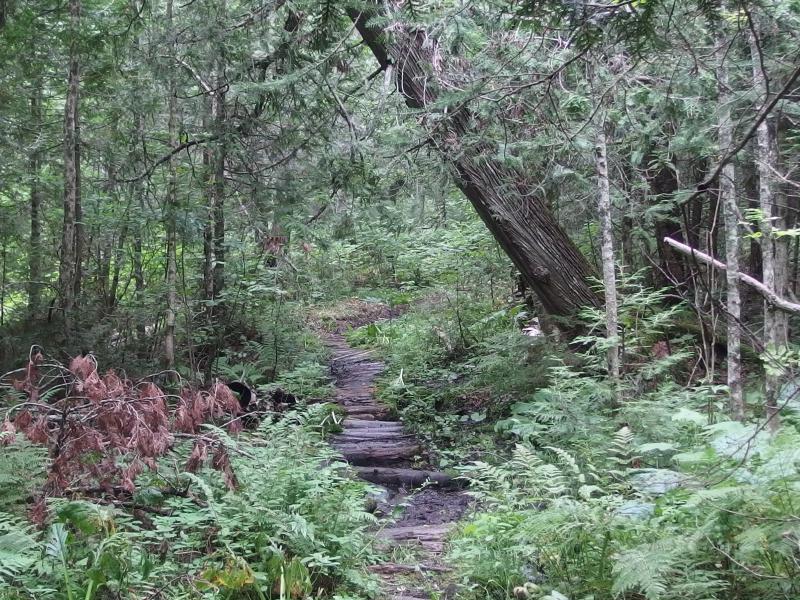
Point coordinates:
pixel 208 229
pixel 218 188
pixel 69 268
pixel 35 246
pixel 214 161
pixel 3 272
pixel 505 199
pixel 139 228
pixel 137 158
pixel 607 251
pixel 774 250
pixel 119 252
pixel 730 209
pixel 171 210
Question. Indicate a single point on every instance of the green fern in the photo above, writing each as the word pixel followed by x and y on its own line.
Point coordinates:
pixel 648 568
pixel 19 549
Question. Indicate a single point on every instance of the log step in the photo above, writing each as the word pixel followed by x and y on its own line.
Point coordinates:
pixel 394 568
pixel 374 410
pixel 430 537
pixel 365 435
pixel 369 424
pixel 404 477
pixel 436 532
pixel 361 453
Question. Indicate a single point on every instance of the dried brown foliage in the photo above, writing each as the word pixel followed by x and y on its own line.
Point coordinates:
pixel 103 430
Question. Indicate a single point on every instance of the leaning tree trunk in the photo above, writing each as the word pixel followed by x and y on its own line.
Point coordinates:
pixel 504 198
pixel 730 210
pixel 70 264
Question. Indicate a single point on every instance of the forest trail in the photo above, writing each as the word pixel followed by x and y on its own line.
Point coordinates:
pixel 417 517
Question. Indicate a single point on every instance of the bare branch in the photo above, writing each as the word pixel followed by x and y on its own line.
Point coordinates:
pixel 768 294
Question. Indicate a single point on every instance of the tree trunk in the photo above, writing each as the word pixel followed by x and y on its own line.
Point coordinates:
pixel 137 157
pixel 503 197
pixel 730 209
pixel 70 264
pixel 218 188
pixel 607 251
pixel 214 161
pixel 663 183
pixel 171 211
pixel 208 229
pixel 774 250
pixel 35 246
pixel 3 273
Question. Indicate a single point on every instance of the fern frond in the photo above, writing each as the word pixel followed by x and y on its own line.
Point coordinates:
pixel 647 568
pixel 19 549
pixel 566 459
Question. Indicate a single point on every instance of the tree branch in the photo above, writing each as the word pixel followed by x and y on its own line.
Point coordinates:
pixel 769 295
pixel 762 115
pixel 169 155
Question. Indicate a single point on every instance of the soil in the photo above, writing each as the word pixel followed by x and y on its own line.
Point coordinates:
pixel 419 505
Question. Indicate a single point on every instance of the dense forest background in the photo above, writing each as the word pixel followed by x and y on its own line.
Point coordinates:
pixel 581 216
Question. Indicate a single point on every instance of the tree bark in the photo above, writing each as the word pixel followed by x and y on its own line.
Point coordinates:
pixel 774 250
pixel 504 198
pixel 70 263
pixel 730 209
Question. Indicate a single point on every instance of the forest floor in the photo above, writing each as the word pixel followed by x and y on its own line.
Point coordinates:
pixel 418 504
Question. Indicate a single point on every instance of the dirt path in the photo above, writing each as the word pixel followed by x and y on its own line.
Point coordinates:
pixel 417 516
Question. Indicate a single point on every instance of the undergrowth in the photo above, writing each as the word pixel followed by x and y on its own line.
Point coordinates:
pixel 294 527
pixel 589 491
